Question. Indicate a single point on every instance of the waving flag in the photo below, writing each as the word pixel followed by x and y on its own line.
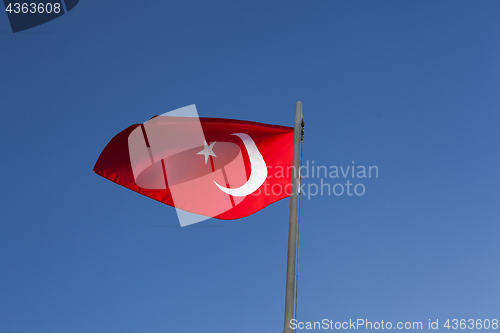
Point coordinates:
pixel 219 168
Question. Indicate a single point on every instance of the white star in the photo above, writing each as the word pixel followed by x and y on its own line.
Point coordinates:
pixel 207 151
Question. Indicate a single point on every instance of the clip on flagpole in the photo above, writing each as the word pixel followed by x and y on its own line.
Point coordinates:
pixel 292 231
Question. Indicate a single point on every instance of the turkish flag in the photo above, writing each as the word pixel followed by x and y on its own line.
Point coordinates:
pixel 219 168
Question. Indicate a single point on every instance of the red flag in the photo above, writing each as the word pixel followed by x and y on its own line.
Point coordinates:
pixel 226 169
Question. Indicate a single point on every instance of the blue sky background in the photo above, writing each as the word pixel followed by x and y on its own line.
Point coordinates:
pixel 409 86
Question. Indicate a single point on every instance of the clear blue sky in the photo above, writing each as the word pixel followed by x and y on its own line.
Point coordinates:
pixel 409 86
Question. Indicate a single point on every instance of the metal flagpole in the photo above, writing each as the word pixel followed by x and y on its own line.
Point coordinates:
pixel 292 231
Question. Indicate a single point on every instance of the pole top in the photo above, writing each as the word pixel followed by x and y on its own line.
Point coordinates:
pixel 299 119
pixel 298 106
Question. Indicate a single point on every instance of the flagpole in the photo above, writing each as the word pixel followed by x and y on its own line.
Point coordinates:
pixel 292 228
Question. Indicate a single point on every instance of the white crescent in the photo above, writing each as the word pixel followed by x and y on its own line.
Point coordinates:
pixel 258 167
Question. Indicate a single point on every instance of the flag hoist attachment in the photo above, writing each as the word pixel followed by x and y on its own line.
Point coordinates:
pixel 292 272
